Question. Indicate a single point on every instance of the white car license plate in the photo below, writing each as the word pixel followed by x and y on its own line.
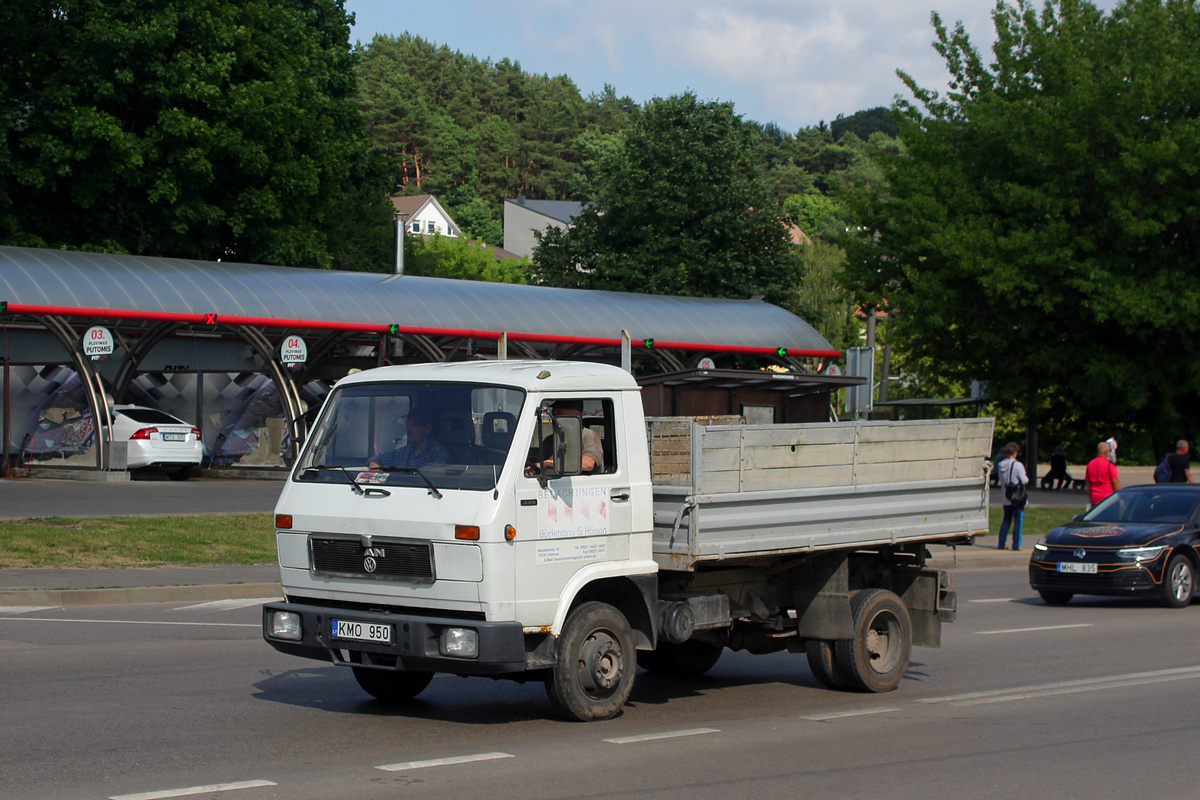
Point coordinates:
pixel 1083 569
pixel 174 437
pixel 362 631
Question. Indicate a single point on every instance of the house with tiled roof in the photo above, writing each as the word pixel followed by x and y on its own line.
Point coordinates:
pixel 423 214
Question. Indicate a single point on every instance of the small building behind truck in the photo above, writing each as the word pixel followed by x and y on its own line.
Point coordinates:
pixel 695 536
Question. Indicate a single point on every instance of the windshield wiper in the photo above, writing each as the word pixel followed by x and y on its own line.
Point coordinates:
pixel 432 489
pixel 353 483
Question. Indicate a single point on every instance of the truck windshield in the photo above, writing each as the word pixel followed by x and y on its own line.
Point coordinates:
pixel 450 435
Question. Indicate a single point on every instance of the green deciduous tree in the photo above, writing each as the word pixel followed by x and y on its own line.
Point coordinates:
pixel 1041 231
pixel 680 207
pixel 198 128
pixel 464 259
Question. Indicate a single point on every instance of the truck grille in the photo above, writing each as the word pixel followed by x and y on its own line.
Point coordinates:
pixel 384 559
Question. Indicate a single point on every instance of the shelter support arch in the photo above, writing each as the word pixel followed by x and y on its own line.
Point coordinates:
pixel 93 386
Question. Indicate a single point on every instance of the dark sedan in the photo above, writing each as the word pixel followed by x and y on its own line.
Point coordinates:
pixel 1140 541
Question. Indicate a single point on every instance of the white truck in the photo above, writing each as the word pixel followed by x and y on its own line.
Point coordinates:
pixel 478 545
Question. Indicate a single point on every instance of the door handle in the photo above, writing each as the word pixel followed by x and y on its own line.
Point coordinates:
pixel 619 498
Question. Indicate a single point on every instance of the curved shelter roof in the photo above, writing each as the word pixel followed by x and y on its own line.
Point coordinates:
pixel 68 283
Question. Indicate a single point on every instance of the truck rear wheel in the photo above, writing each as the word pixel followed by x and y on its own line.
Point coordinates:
pixel 877 657
pixel 593 674
pixel 391 686
pixel 823 664
pixel 688 659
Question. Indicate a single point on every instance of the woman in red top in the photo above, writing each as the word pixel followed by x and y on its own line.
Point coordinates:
pixel 1102 479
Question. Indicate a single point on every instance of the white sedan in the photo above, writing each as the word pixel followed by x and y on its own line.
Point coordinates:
pixel 157 439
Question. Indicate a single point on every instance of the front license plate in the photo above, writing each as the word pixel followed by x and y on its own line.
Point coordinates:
pixel 1082 569
pixel 174 437
pixel 362 631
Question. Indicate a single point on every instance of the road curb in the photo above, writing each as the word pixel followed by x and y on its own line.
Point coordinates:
pixel 137 594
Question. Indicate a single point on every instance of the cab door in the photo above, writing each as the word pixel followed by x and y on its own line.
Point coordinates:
pixel 567 523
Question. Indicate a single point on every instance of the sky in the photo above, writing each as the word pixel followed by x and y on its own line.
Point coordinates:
pixel 792 62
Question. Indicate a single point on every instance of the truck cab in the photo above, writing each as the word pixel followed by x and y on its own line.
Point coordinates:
pixel 439 520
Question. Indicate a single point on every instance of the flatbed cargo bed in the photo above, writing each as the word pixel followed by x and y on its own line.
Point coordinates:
pixel 733 492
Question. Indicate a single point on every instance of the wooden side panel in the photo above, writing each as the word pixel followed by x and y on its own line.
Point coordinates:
pixel 734 458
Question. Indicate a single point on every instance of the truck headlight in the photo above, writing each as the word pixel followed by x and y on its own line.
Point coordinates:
pixel 285 625
pixel 460 642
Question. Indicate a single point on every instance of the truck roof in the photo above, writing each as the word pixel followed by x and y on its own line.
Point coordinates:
pixel 555 376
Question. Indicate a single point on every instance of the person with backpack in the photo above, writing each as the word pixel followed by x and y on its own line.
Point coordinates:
pixel 1180 463
pixel 1013 481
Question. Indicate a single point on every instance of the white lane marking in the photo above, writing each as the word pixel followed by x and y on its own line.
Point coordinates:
pixel 1068 687
pixel 1039 628
pixel 136 622
pixel 216 787
pixel 443 762
pixel 227 605
pixel 994 600
pixel 646 737
pixel 25 609
pixel 862 712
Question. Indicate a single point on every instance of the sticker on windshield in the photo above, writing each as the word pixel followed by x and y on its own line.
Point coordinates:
pixel 373 477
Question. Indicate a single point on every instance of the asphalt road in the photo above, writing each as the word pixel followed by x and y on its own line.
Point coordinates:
pixel 22 498
pixel 1024 700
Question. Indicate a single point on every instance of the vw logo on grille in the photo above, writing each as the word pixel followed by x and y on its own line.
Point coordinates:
pixel 1079 552
pixel 369 564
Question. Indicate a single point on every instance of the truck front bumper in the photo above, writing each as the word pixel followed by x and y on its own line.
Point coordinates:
pixel 414 642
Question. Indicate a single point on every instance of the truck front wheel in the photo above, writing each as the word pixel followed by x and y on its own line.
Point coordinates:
pixel 391 686
pixel 877 657
pixel 593 674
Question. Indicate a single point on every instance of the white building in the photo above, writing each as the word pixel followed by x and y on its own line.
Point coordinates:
pixel 423 214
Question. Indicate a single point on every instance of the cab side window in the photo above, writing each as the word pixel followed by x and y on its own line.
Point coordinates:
pixel 599 437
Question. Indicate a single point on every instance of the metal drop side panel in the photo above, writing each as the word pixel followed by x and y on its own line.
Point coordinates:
pixel 750 490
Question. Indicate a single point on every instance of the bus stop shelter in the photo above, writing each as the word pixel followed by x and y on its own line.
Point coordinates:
pixel 246 352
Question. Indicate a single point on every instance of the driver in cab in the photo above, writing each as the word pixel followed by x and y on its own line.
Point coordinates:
pixel 592 460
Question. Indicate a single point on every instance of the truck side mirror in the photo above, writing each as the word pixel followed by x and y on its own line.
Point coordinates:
pixel 568 445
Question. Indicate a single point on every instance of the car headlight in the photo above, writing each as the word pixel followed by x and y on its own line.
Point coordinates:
pixel 1041 548
pixel 1141 553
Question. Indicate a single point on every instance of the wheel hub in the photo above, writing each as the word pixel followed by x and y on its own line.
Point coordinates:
pixel 1181 580
pixel 599 663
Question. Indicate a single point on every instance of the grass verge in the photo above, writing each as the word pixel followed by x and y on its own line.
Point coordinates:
pixel 237 539
pixel 1039 520
pixel 137 541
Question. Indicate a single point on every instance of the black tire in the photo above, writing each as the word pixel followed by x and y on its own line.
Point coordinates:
pixel 689 659
pixel 1053 598
pixel 877 657
pixel 391 686
pixel 593 674
pixel 180 474
pixel 823 664
pixel 1179 582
